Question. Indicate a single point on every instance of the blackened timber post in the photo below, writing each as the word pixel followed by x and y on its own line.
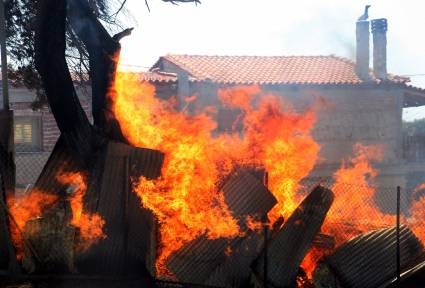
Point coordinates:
pixel 398 235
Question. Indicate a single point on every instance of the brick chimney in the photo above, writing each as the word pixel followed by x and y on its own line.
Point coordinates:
pixel 379 31
pixel 362 49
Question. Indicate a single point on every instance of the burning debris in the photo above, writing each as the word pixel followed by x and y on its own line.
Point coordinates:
pixel 245 196
pixel 289 247
pixel 155 190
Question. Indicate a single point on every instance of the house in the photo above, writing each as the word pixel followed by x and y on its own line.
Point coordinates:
pixel 366 105
pixel 35 133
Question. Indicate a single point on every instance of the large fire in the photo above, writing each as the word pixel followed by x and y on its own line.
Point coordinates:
pixel 355 184
pixel 90 225
pixel 185 199
pixel 354 210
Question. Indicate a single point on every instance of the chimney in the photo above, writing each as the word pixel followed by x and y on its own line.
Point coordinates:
pixel 379 30
pixel 362 49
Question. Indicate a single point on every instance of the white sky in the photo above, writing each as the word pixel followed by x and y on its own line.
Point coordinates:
pixel 274 27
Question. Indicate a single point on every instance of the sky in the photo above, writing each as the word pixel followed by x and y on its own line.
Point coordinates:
pixel 274 27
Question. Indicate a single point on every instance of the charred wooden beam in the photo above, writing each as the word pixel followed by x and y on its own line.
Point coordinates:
pixel 245 195
pixel 287 250
pixel 369 260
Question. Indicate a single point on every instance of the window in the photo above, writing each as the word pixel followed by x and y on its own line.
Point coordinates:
pixel 27 133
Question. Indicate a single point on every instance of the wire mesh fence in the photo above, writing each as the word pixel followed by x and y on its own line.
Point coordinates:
pixel 28 167
pixel 359 207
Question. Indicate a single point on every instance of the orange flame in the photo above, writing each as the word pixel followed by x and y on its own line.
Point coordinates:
pixel 24 208
pixel 363 211
pixel 185 199
pixel 417 217
pixel 354 210
pixel 90 225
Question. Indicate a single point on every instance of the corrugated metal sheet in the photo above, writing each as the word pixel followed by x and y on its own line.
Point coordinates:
pixel 61 158
pixel 131 230
pixel 369 260
pixel 288 248
pixel 244 195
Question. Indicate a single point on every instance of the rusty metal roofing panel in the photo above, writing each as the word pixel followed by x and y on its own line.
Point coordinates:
pixel 369 260
pixel 244 195
pixel 292 242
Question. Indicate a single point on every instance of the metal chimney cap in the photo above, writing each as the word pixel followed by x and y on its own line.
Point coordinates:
pixel 379 25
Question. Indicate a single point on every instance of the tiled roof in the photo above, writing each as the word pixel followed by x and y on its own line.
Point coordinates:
pixel 271 69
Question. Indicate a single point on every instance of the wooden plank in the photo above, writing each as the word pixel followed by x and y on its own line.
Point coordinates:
pixel 289 247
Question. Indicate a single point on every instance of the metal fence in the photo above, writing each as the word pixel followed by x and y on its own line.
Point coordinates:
pixel 356 209
pixel 28 167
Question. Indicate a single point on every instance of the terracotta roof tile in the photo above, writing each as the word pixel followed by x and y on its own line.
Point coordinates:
pixel 271 69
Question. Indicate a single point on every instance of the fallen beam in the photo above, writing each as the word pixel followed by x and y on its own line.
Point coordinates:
pixel 287 250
